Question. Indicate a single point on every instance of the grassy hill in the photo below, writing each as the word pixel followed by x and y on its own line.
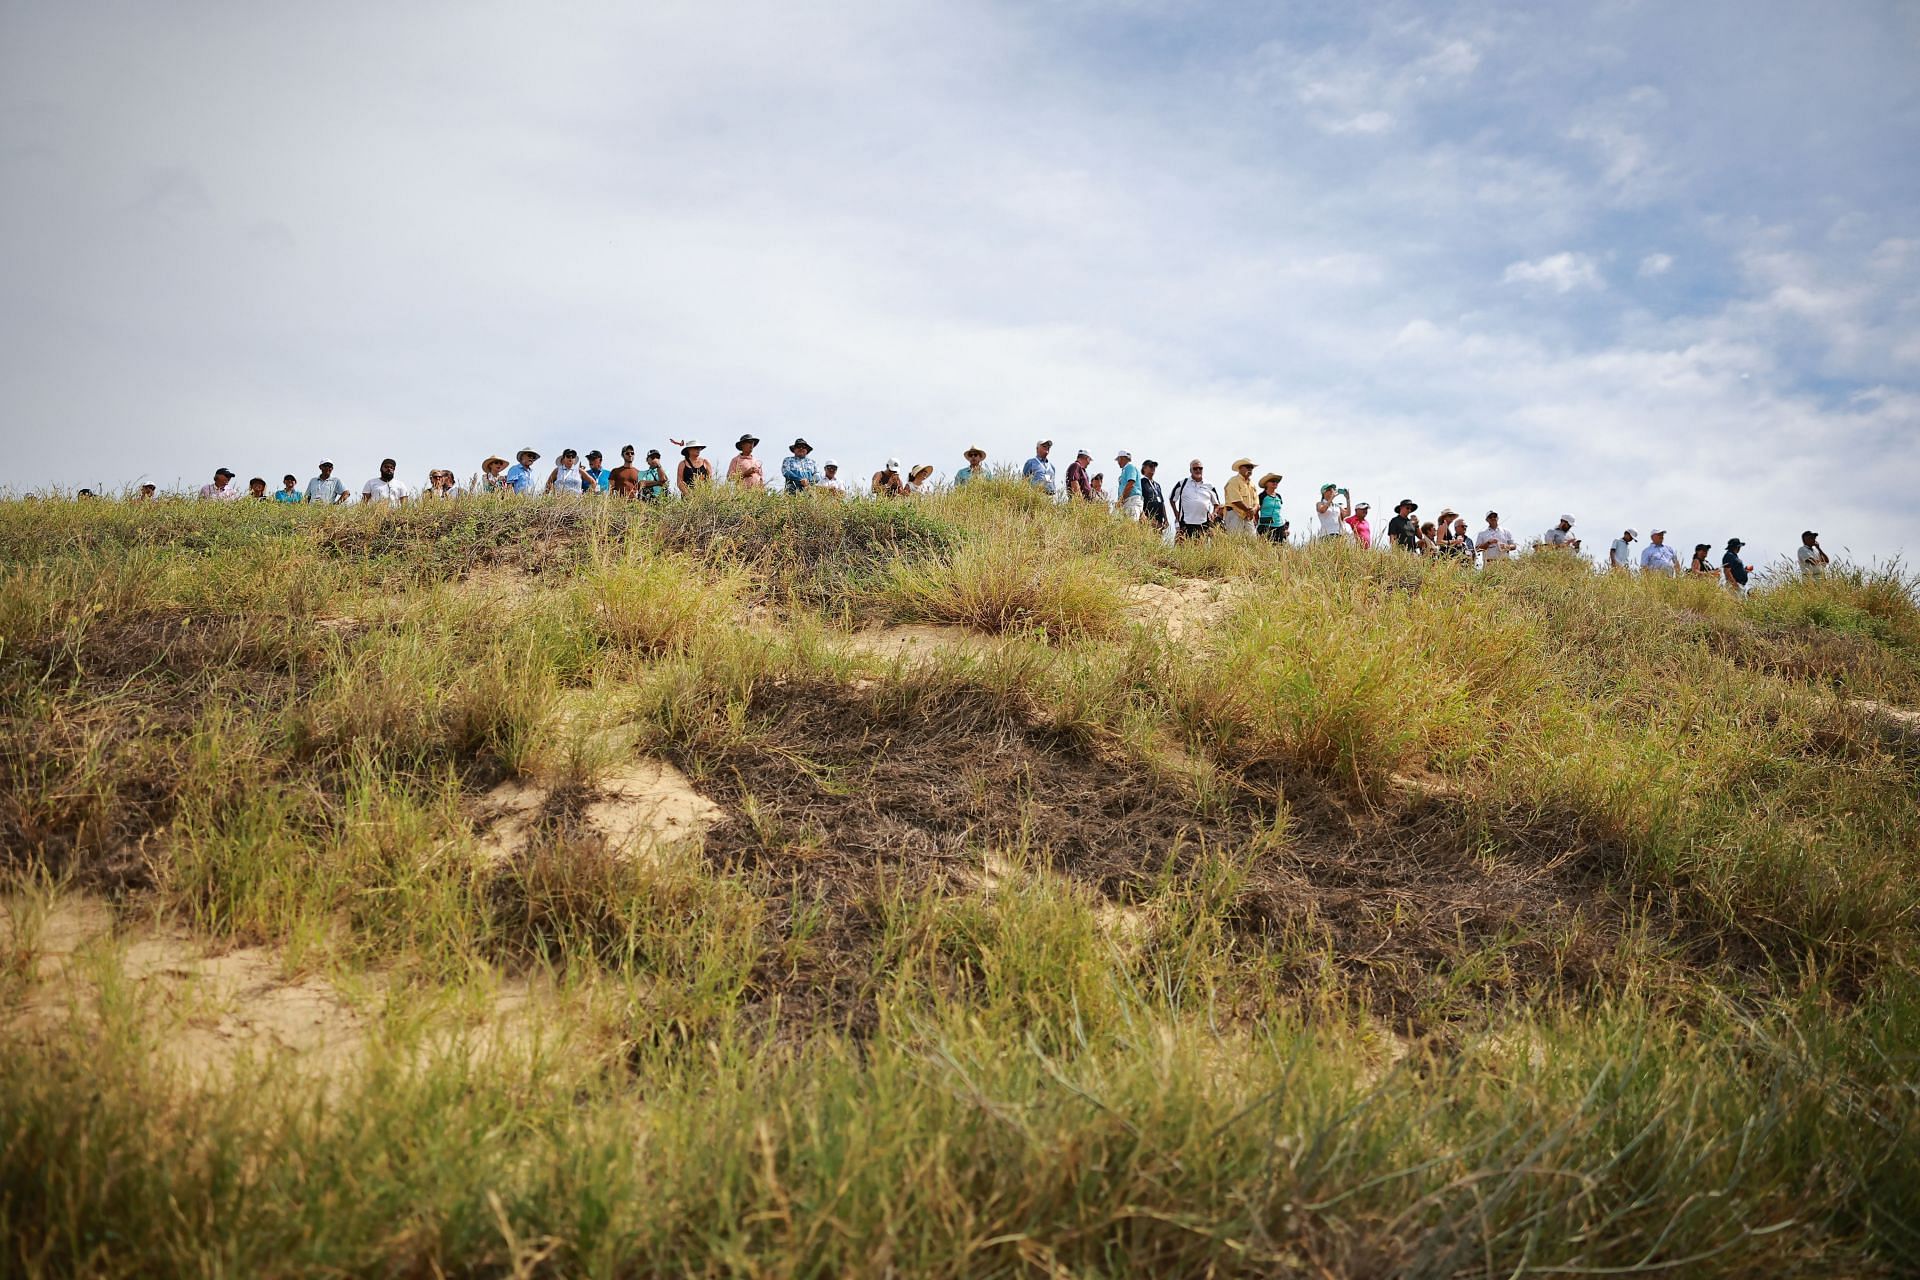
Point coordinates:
pixel 965 886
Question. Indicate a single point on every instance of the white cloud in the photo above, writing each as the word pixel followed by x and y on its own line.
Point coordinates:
pixel 1559 272
pixel 1655 264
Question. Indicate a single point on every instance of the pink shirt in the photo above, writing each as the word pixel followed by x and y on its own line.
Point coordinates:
pixel 1362 531
pixel 744 471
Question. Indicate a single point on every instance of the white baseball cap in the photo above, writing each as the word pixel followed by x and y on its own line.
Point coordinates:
pixel 829 463
pixel 326 462
pixel 1566 519
pixel 893 464
pixel 1633 533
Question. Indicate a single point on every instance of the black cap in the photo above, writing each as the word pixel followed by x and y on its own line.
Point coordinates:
pixel 593 453
pixel 1808 533
pixel 1734 542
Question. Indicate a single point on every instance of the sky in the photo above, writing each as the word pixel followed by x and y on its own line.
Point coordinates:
pixel 1643 263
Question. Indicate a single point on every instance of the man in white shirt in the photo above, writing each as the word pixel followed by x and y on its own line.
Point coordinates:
pixel 326 487
pixel 830 481
pixel 1659 557
pixel 1493 543
pixel 384 488
pixel 1195 503
pixel 222 489
pixel 1812 557
pixel 1620 554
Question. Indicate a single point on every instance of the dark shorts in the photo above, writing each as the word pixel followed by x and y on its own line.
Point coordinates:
pixel 1193 530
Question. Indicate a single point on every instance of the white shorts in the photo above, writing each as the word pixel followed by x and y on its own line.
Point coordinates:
pixel 1234 522
pixel 1130 508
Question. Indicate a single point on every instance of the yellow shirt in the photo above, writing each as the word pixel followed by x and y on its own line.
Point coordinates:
pixel 1240 496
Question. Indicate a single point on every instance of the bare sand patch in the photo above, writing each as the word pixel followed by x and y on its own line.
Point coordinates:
pixel 1892 721
pixel 1189 604
pixel 212 1012
pixel 649 804
pixel 639 810
pixel 916 642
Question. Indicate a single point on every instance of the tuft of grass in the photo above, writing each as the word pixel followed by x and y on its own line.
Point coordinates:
pixel 1001 585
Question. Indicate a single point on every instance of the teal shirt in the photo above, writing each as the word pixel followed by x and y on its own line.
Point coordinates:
pixel 281 495
pixel 961 476
pixel 1269 511
pixel 1128 472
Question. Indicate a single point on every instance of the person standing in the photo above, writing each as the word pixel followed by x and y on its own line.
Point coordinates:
pixel 1403 533
pixel 257 488
pixel 222 489
pixel 440 484
pixel 1272 518
pixel 918 477
pixel 598 477
pixel 1331 512
pixel 1811 556
pixel 888 482
pixel 1078 485
pixel 289 490
pixel 1241 507
pixel 1620 554
pixel 1195 503
pixel 1463 540
pixel 1153 503
pixel 1560 537
pixel 1038 472
pixel 384 488
pixel 1659 557
pixel 147 492
pixel 798 472
pixel 1700 568
pixel 624 480
pixel 1129 503
pixel 1493 543
pixel 1737 570
pixel 744 469
pixel 490 478
pixel 519 477
pixel 326 487
pixel 830 481
pixel 694 470
pixel 1362 531
pixel 975 456
pixel 568 477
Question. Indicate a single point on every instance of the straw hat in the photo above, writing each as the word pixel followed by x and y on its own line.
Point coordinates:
pixel 920 472
pixel 1273 476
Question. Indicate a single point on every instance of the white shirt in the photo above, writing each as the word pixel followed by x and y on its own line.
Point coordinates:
pixel 1660 558
pixel 1557 537
pixel 1494 543
pixel 1622 554
pixel 218 494
pixel 325 489
pixel 834 483
pixel 1196 501
pixel 392 492
pixel 1809 558
pixel 1330 520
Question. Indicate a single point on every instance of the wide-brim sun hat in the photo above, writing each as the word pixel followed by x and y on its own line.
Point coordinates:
pixel 1406 502
pixel 526 449
pixel 800 444
pixel 1273 477
pixel 490 460
pixel 1244 462
pixel 973 451
pixel 746 440
pixel 920 473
